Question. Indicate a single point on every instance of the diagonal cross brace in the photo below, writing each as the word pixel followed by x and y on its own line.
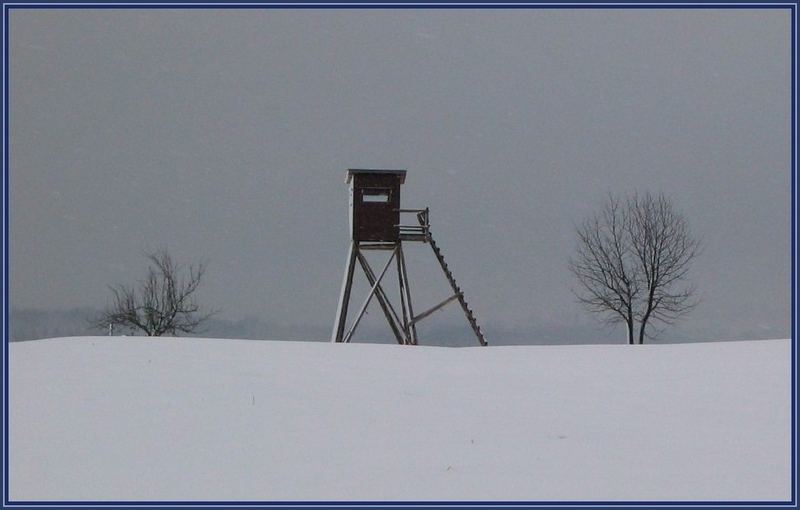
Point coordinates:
pixel 435 308
pixel 383 300
pixel 369 298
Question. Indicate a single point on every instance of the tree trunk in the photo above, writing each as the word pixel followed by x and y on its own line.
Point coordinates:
pixel 630 332
pixel 641 328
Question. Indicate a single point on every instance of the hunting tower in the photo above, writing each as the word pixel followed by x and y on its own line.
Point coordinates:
pixel 375 224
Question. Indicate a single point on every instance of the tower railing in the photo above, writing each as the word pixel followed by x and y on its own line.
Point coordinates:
pixel 415 232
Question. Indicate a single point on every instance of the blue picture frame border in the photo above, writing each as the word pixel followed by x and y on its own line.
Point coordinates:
pixel 446 4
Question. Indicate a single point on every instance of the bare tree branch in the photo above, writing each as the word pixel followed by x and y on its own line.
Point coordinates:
pixel 165 301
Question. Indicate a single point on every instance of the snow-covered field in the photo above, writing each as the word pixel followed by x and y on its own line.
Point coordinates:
pixel 196 419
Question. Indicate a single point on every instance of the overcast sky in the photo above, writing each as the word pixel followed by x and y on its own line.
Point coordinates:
pixel 225 135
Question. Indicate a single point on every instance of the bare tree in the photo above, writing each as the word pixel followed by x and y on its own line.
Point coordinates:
pixel 163 303
pixel 632 261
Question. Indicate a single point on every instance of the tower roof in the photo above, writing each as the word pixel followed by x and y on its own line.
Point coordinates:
pixel 373 171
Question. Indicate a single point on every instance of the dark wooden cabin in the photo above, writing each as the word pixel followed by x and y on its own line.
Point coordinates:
pixel 375 204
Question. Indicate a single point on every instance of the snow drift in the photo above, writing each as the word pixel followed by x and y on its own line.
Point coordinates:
pixel 99 418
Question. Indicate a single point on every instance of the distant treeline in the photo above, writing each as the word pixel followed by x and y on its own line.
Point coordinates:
pixel 31 324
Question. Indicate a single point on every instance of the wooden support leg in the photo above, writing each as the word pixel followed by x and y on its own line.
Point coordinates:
pixel 406 330
pixel 412 328
pixel 344 295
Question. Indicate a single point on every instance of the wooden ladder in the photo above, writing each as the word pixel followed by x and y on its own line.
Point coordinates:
pixel 459 294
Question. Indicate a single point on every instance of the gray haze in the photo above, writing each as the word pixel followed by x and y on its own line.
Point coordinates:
pixel 224 135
